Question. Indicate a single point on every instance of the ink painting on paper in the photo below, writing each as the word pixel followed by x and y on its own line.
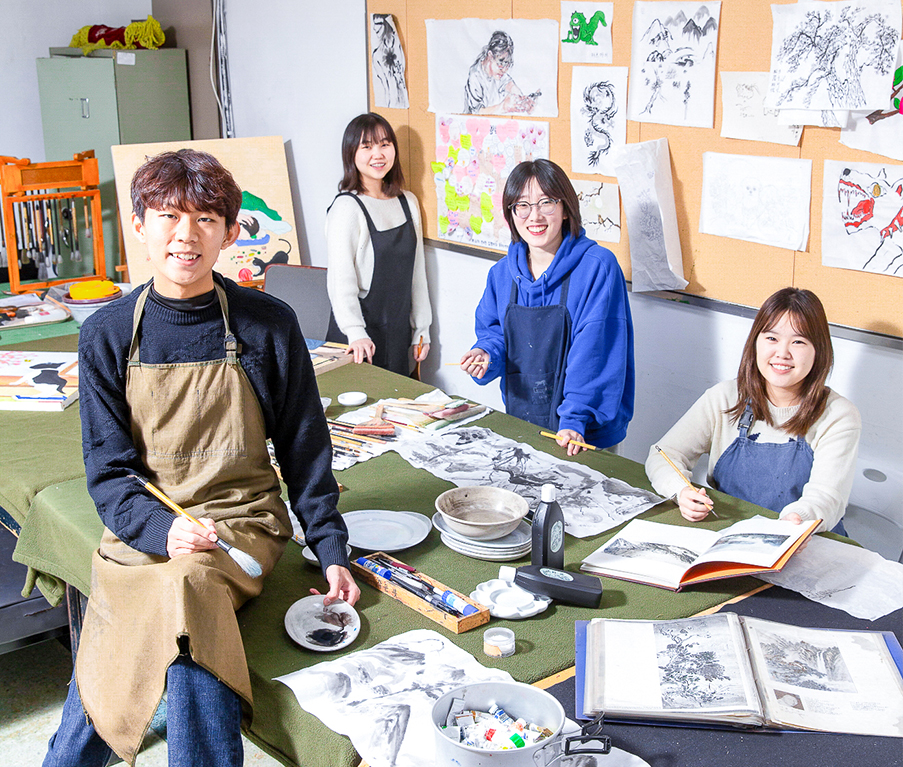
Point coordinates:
pixel 862 217
pixel 387 58
pixel 672 63
pixel 493 66
pixel 598 117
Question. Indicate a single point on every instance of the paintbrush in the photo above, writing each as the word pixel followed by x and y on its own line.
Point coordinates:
pixel 245 561
pixel 684 478
pixel 570 441
pixel 377 425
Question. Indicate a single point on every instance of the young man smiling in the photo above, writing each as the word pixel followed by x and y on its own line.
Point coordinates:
pixel 182 382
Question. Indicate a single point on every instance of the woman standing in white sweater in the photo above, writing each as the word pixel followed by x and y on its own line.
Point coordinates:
pixel 776 435
pixel 374 238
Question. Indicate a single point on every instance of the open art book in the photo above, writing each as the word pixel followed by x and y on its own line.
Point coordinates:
pixel 728 670
pixel 674 557
pixel 38 380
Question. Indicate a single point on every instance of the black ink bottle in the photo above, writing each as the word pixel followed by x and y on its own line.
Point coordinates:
pixel 548 531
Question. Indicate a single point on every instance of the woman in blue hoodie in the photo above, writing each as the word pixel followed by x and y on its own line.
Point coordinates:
pixel 554 322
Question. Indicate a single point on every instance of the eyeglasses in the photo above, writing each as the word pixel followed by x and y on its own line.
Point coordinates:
pixel 546 207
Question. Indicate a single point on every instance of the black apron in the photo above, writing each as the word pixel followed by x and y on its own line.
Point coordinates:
pixel 537 339
pixel 387 307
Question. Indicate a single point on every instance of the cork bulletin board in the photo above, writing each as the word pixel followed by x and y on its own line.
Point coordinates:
pixel 726 269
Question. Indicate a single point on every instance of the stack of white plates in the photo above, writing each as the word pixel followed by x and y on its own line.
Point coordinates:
pixel 512 546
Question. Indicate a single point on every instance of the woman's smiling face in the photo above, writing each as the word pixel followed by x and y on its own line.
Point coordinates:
pixel 540 231
pixel 784 359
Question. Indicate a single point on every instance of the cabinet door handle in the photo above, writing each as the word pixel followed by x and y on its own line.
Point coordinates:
pixel 86 109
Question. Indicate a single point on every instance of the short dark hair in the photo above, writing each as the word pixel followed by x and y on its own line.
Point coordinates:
pixel 553 181
pixel 369 127
pixel 183 180
pixel 808 318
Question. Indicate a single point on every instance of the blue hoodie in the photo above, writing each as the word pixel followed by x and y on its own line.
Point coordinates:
pixel 599 374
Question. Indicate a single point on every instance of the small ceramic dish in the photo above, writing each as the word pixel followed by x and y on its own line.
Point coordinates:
pixel 508 600
pixel 308 553
pixel 319 628
pixel 325 402
pixel 352 398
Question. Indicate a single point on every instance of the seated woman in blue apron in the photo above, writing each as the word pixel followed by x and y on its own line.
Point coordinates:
pixel 776 435
pixel 182 382
pixel 374 239
pixel 554 323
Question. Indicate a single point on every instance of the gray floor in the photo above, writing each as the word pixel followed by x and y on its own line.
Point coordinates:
pixel 33 688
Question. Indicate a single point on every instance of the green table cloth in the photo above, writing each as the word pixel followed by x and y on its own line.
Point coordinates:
pixel 42 486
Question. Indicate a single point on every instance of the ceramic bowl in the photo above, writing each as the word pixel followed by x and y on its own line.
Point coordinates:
pixel 81 309
pixel 482 513
pixel 308 553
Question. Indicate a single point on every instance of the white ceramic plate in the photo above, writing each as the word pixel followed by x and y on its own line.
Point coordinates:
pixel 521 535
pixel 380 530
pixel 508 600
pixel 322 629
pixel 477 552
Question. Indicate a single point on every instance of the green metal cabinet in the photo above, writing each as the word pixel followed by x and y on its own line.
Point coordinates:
pixel 107 98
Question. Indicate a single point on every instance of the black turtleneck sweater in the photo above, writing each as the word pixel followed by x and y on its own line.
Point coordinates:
pixel 276 360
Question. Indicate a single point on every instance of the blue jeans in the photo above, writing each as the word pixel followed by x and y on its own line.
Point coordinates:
pixel 203 724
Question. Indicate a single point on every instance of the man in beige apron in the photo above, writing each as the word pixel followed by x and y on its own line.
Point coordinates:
pixel 166 621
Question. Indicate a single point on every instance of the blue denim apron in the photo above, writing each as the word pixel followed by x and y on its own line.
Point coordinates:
pixel 537 339
pixel 768 474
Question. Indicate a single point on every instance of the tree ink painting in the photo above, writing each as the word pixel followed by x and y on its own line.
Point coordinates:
pixel 693 672
pixel 833 55
pixel 673 63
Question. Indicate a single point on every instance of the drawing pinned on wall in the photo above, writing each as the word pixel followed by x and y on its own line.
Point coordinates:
pixel 744 114
pixel 598 117
pixel 862 217
pixel 474 156
pixel 880 130
pixel 471 455
pixel 672 63
pixel 600 213
pixel 820 118
pixel 382 697
pixel 267 234
pixel 493 67
pixel 586 32
pixel 759 199
pixel 388 65
pixel 647 190
pixel 836 55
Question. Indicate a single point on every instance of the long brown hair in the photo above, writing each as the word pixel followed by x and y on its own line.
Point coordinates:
pixel 553 181
pixel 807 316
pixel 369 127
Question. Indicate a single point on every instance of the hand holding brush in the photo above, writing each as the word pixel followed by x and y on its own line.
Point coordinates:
pixel 245 561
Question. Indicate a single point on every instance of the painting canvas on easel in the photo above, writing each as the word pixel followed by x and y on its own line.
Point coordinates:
pixel 268 234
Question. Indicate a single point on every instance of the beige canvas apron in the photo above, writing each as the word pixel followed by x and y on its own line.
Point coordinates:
pixel 200 429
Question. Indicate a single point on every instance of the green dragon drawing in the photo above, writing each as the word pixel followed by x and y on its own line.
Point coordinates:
pixel 583 31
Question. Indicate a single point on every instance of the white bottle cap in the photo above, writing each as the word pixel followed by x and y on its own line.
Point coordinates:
pixel 547 493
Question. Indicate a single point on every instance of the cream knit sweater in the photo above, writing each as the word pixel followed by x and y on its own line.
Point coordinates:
pixel 704 428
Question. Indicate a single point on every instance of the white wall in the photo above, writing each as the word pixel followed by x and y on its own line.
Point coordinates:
pixel 299 70
pixel 28 29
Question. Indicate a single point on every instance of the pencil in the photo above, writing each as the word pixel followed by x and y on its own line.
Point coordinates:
pixel 570 441
pixel 683 477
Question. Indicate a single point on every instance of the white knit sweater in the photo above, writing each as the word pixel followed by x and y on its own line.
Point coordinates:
pixel 705 428
pixel 350 263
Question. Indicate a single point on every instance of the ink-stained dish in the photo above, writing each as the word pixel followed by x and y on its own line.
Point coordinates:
pixel 319 628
